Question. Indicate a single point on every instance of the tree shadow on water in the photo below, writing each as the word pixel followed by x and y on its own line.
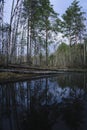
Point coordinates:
pixel 36 120
pixel 73 114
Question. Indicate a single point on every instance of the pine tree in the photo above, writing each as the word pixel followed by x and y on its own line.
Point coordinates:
pixel 38 14
pixel 47 22
pixel 73 23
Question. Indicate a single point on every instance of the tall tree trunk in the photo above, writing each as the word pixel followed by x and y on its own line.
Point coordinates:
pixel 15 35
pixel 22 46
pixel 28 40
pixel 84 54
pixel 1 29
pixel 13 13
pixel 10 28
pixel 46 48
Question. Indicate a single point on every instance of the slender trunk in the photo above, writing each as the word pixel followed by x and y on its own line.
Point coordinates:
pixel 2 34
pixel 30 47
pixel 31 32
pixel 84 54
pixel 28 40
pixel 1 28
pixel 13 13
pixel 22 47
pixel 40 56
pixel 46 48
pixel 17 20
pixel 35 54
pixel 7 47
pixel 10 28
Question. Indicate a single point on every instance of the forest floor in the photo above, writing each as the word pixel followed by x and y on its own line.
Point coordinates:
pixel 22 72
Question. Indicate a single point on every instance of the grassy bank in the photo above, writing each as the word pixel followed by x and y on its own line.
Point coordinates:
pixel 23 72
pixel 9 76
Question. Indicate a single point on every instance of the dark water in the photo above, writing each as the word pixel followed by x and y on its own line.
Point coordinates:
pixel 51 103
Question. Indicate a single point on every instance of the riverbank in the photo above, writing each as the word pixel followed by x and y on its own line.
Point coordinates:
pixel 17 73
pixel 11 77
pixel 14 76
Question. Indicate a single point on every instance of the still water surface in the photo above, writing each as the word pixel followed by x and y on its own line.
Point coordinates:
pixel 49 103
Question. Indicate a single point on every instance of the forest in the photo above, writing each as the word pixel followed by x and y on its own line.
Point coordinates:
pixel 43 65
pixel 38 36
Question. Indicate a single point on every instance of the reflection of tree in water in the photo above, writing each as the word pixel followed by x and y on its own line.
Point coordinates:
pixel 36 119
pixel 44 116
pixel 73 108
pixel 35 104
pixel 42 119
pixel 70 79
pixel 41 115
pixel 73 114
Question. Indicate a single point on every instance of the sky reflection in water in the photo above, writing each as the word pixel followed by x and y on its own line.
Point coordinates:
pixel 51 103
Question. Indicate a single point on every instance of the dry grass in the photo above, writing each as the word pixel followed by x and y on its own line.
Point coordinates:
pixel 6 75
pixel 10 75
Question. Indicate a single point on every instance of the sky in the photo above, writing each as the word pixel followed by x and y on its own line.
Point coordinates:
pixel 7 10
pixel 59 6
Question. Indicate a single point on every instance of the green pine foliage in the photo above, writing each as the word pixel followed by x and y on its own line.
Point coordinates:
pixel 35 28
pixel 73 23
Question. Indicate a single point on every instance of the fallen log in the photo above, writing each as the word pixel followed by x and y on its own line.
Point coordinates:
pixel 28 71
